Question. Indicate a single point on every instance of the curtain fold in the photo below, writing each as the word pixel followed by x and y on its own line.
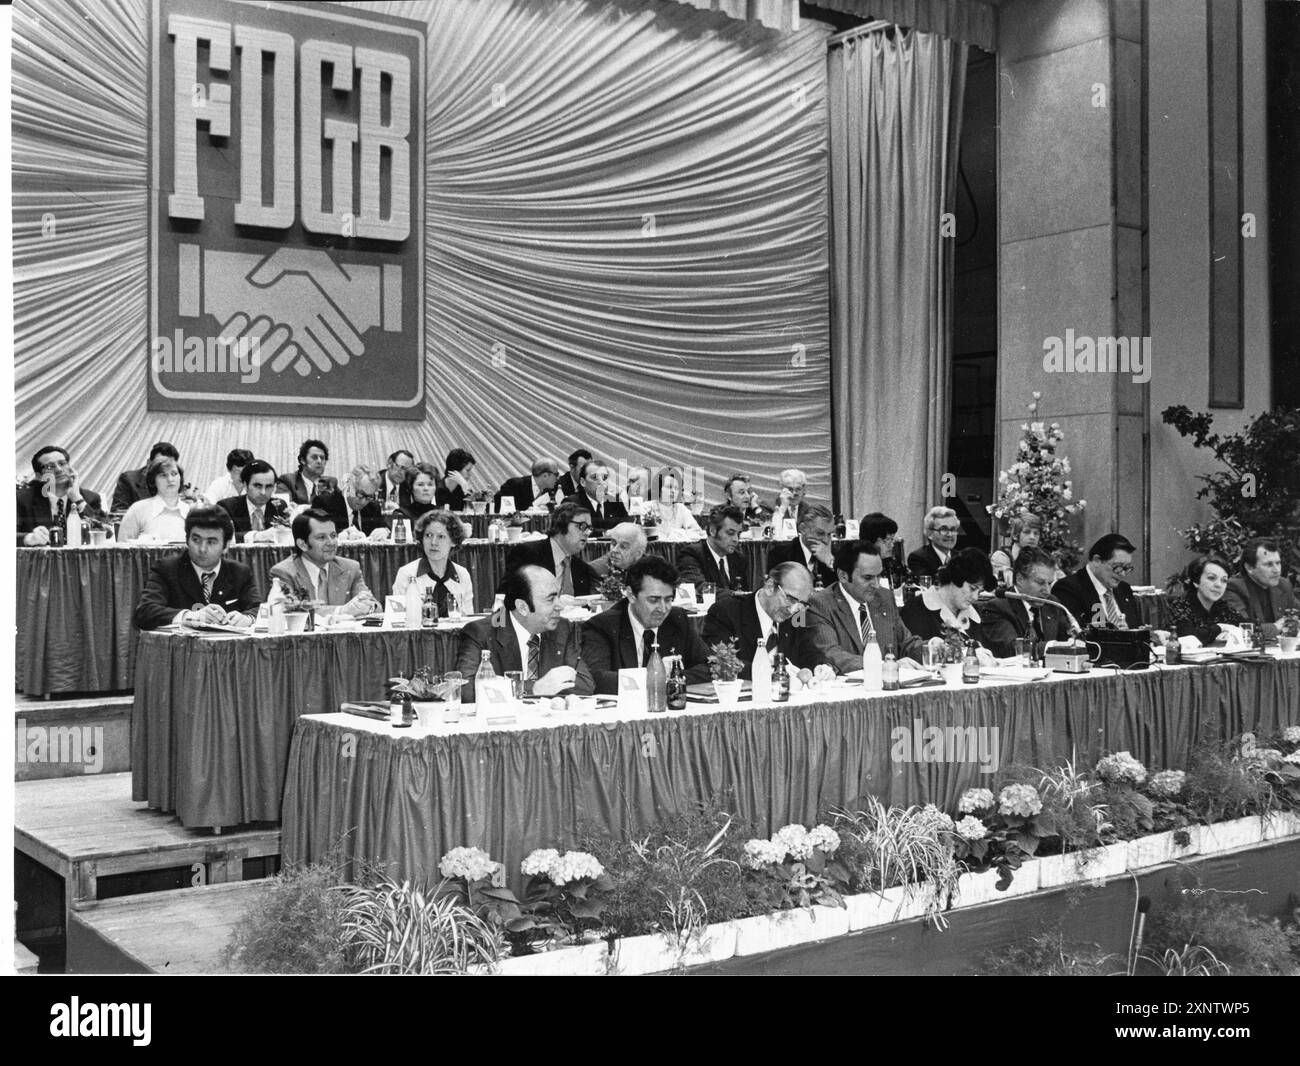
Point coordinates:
pixel 895 106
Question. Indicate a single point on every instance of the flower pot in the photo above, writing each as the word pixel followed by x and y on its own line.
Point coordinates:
pixel 296 621
pixel 1279 825
pixel 1287 645
pixel 728 694
pixel 633 956
pixel 1238 833
pixel 1107 862
pixel 586 960
pixel 753 935
pixel 1150 850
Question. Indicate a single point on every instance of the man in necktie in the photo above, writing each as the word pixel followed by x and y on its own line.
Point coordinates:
pixel 1097 594
pixel 317 565
pixel 198 586
pixel 842 617
pixel 561 552
pixel 627 545
pixel 46 500
pixel 772 616
pixel 1004 620
pixel 593 494
pixel 718 560
pixel 255 512
pixel 396 494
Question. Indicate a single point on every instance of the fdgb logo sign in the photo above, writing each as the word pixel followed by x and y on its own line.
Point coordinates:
pixel 288 210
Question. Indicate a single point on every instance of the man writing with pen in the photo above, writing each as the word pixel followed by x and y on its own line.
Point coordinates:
pixel 197 586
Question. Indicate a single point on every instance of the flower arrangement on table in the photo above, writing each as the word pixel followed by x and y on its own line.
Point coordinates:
pixel 424 684
pixel 724 662
pixel 1288 623
pixel 611 587
pixel 296 598
pixel 798 866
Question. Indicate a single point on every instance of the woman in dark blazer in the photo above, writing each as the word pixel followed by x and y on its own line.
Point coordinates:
pixel 422 480
pixel 947 610
pixel 1202 611
pixel 453 488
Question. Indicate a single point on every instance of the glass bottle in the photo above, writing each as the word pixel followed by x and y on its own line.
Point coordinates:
pixel 970 665
pixel 677 685
pixel 656 681
pixel 889 673
pixel 483 673
pixel 873 679
pixel 780 679
pixel 428 610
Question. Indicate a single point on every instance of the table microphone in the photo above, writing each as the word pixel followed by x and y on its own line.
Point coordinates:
pixel 1010 594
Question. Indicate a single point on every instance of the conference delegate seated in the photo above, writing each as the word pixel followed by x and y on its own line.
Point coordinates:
pixel 716 561
pixel 671 514
pixel 569 481
pixel 317 569
pixel 161 515
pixel 794 486
pixel 627 545
pixel 738 493
pixel 47 501
pixel 452 491
pixel 422 486
pixel 1260 593
pixel 231 483
pixel 812 547
pixel 882 531
pixel 528 635
pixel 1005 620
pixel 133 485
pixel 361 492
pixel 1203 611
pixel 309 484
pixel 840 618
pixel 396 492
pixel 947 608
pixel 1097 594
pixel 767 617
pixel 438 533
pixel 593 495
pixel 621 637
pixel 561 551
pixel 1026 529
pixel 541 489
pixel 197 585
pixel 257 512
pixel 941 532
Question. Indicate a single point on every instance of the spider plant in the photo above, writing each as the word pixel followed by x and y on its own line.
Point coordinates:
pixel 1193 961
pixel 1070 794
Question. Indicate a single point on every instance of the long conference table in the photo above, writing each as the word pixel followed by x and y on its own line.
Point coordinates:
pixel 362 792
pixel 75 605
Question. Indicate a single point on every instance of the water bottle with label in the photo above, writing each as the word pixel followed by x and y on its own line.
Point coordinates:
pixel 676 684
pixel 889 673
pixel 656 681
pixel 970 664
pixel 873 667
pixel 483 673
pixel 760 683
pixel 780 680
pixel 72 535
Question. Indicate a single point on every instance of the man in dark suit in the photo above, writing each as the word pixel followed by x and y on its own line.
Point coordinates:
pixel 768 616
pixel 132 485
pixel 621 638
pixel 812 547
pixel 561 552
pixel 1260 593
pixel 738 493
pixel 318 569
pixel 717 560
pixel 397 493
pixel 47 501
pixel 627 543
pixel 1098 595
pixel 592 494
pixel 571 479
pixel 197 585
pixel 542 487
pixel 942 528
pixel 310 485
pixel 841 617
pixel 1002 620
pixel 256 511
pixel 528 635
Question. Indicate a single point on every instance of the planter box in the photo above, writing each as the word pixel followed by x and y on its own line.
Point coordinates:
pixel 1110 861
pixel 1281 825
pixel 784 929
pixel 1150 850
pixel 1238 833
pixel 588 960
pixel 1068 869
pixel 976 888
pixel 657 953
pixel 1195 842
pixel 869 910
pixel 906 902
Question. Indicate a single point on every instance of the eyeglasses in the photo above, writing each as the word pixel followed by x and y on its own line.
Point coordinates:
pixel 584 527
pixel 365 496
pixel 791 596
pixel 1120 568
pixel 947 529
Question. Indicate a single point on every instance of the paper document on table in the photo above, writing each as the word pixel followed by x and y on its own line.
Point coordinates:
pixel 212 627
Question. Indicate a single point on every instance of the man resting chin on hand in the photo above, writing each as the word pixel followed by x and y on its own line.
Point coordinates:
pixel 197 586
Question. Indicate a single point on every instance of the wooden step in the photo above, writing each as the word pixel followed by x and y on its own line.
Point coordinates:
pixel 25 961
pixel 71 737
pixel 179 931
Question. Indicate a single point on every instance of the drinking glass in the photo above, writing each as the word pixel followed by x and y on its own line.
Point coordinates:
pixel 708 594
pixel 516 683
pixel 1025 651
pixel 1248 633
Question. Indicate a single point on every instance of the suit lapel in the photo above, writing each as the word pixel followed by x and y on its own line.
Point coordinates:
pixel 629 653
pixel 848 622
pixel 507 647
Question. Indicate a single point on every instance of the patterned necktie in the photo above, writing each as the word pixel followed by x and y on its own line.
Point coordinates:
pixel 321 586
pixel 207 586
pixel 647 645
pixel 864 624
pixel 1034 627
pixel 255 519
pixel 566 577
pixel 63 506
pixel 534 655
pixel 1113 613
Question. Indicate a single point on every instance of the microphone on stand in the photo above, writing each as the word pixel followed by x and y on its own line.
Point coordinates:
pixel 1010 594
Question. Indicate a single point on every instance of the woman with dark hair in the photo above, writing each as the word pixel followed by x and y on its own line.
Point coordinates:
pixel 1202 610
pixel 881 530
pixel 947 610
pixel 455 483
pixel 422 483
pixel 672 513
pixel 160 515
pixel 438 533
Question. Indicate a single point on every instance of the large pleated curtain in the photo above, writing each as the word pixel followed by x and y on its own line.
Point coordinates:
pixel 626 205
pixel 895 107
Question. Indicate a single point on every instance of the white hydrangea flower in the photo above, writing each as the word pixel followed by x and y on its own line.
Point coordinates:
pixel 825 838
pixel 1294 757
pixel 1291 734
pixel 936 817
pixel 574 866
pixel 1121 767
pixel 1168 783
pixel 971 828
pixel 761 853
pixel 794 839
pixel 539 862
pixel 1022 800
pixel 975 799
pixel 473 864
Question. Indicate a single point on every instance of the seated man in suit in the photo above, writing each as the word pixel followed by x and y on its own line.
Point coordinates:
pixel 47 501
pixel 1098 595
pixel 1003 620
pixel 361 490
pixel 738 493
pixel 628 544
pixel 794 486
pixel 257 511
pixel 768 616
pixel 716 560
pixel 318 569
pixel 561 552
pixel 197 586
pixel 593 495
pixel 569 483
pixel 882 531
pixel 132 485
pixel 529 635
pixel 841 617
pixel 812 547
pixel 396 492
pixel 310 485
pixel 942 529
pixel 621 638
pixel 540 489
pixel 1260 593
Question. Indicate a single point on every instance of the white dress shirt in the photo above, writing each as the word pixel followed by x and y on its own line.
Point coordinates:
pixel 151 516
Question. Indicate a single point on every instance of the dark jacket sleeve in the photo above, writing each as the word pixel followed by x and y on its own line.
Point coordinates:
pixel 584 684
pixel 1000 631
pixel 469 653
pixel 600 656
pixel 689 568
pixel 155 607
pixel 695 657
pixel 247 595
pixel 821 631
pixel 124 492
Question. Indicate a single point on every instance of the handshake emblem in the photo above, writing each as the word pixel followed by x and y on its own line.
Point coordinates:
pixel 296 308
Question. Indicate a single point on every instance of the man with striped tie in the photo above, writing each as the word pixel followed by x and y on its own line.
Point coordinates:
pixel 1098 595
pixel 842 617
pixel 197 586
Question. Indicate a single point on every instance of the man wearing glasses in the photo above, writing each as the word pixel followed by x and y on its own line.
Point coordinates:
pixel 396 492
pixel 561 552
pixel 51 497
pixel 1098 595
pixel 772 616
pixel 941 532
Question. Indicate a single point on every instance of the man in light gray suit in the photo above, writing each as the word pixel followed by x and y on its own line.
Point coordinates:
pixel 317 568
pixel 838 616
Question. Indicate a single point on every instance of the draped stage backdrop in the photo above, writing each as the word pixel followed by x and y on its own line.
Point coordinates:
pixel 625 244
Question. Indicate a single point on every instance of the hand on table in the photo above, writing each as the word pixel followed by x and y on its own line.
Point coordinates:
pixel 37 538
pixel 211 614
pixel 555 681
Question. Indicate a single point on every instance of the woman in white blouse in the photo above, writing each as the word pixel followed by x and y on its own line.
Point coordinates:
pixel 673 514
pixel 438 533
pixel 162 515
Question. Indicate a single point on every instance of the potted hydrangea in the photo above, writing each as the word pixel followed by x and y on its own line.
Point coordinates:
pixel 1288 631
pixel 725 667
